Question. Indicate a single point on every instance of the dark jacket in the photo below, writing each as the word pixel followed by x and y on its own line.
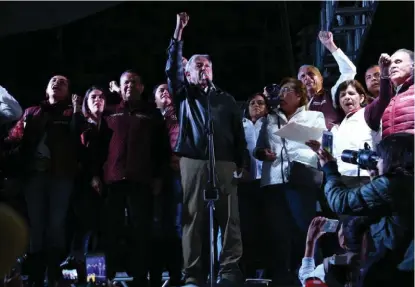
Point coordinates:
pixel 138 147
pixel 388 200
pixel 95 141
pixel 62 128
pixel 191 103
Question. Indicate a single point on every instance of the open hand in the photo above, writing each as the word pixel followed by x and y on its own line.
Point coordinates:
pixel 114 88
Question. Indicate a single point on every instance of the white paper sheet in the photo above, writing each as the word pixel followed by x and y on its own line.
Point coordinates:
pixel 300 133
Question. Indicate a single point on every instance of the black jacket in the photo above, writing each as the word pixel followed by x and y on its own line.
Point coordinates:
pixel 388 200
pixel 191 104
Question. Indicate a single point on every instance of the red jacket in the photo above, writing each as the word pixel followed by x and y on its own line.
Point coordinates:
pixel 138 147
pixel 396 112
pixel 62 128
pixel 399 114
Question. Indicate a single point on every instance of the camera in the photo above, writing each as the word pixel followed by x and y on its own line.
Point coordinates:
pixel 365 158
pixel 273 91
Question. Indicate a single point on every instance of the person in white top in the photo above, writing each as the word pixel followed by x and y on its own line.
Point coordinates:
pixel 352 235
pixel 10 109
pixel 353 132
pixel 249 194
pixel 287 208
pixel 320 99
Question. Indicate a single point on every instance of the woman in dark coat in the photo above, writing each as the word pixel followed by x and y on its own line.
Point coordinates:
pixel 389 202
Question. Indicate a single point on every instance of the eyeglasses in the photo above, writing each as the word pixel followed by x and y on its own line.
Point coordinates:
pixel 259 103
pixel 286 90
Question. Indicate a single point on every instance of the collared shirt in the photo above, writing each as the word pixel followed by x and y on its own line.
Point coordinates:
pixel 352 134
pixel 251 135
pixel 308 269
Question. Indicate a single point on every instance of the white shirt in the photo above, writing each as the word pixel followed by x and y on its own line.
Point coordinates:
pixel 347 72
pixel 251 135
pixel 308 269
pixel 295 151
pixel 10 109
pixel 352 134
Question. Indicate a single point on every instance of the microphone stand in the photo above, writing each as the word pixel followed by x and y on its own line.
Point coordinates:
pixel 211 192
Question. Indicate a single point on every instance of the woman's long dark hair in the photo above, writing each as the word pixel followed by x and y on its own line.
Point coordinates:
pixel 85 108
pixel 246 108
pixel 355 232
pixel 397 153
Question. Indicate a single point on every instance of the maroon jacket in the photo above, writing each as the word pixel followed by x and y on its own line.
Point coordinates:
pixel 138 146
pixel 323 102
pixel 63 129
pixel 172 125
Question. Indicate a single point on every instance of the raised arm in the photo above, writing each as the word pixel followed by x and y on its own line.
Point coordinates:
pixel 374 111
pixel 174 67
pixel 346 67
pixel 371 198
pixel 10 109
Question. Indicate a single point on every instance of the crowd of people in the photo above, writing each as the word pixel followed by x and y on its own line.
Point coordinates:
pixel 133 175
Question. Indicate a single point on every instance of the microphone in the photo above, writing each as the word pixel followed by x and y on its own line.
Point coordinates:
pixel 209 81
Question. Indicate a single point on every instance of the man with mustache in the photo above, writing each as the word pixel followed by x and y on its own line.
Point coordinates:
pixel 190 99
pixel 43 147
pixel 138 155
pixel 319 99
pixel 372 80
pixel 394 109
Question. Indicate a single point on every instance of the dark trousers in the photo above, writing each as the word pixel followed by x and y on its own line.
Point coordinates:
pixel 87 208
pixel 252 218
pixel 167 232
pixel 47 199
pixel 172 202
pixel 194 179
pixel 288 214
pixel 135 232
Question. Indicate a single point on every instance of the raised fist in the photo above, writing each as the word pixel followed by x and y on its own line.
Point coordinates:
pixel 325 37
pixel 182 20
pixel 76 100
pixel 384 64
pixel 114 88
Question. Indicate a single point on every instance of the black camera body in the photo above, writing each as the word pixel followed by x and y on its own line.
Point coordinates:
pixel 366 158
pixel 273 91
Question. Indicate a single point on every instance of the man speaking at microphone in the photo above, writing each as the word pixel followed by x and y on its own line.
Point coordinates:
pixel 191 101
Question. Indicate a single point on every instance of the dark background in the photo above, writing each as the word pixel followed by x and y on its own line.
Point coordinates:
pixel 245 39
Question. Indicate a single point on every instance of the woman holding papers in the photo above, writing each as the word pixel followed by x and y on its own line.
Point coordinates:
pixel 352 133
pixel 288 209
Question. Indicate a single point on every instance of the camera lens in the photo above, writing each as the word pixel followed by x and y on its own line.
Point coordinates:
pixel 349 156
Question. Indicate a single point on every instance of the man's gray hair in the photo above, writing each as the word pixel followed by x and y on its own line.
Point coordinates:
pixel 192 59
pixel 408 52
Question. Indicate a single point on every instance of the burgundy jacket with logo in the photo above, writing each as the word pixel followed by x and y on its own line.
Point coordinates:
pixel 138 145
pixel 62 128
pixel 172 124
pixel 323 102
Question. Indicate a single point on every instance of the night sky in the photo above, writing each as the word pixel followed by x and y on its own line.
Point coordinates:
pixel 244 39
